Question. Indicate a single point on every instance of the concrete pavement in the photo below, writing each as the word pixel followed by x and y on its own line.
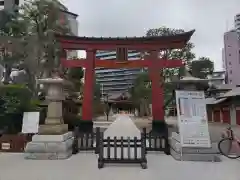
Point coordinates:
pixel 84 166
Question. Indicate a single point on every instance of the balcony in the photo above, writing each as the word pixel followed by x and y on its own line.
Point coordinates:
pixel 100 71
pixel 131 78
pixel 117 73
pixel 113 57
pixel 116 89
pixel 120 84
pixel 101 54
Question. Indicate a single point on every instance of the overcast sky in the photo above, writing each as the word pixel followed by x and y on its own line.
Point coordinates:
pixel 210 18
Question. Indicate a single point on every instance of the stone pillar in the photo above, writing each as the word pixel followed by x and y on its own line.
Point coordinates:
pixel 233 114
pixel 54 122
pixel 53 141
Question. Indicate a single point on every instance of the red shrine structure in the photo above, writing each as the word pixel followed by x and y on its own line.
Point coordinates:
pixel 152 45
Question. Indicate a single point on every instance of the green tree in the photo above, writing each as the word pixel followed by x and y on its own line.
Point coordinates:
pixel 201 67
pixel 76 75
pixel 38 21
pixel 44 19
pixel 184 54
pixel 97 91
pixel 141 92
pixel 12 32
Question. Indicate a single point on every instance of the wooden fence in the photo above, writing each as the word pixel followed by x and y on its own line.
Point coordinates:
pixel 113 145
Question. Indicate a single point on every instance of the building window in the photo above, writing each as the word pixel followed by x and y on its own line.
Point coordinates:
pixel 229 55
pixel 229 46
pixel 230 71
pixel 239 58
pixel 230 63
pixel 230 81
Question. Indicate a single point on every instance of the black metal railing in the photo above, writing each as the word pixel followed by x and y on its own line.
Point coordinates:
pixel 156 142
pixel 84 141
pixel 113 145
pixel 90 141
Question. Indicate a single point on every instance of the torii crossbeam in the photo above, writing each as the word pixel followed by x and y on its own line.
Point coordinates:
pixel 151 44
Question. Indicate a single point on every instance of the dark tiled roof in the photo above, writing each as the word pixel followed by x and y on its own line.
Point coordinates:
pixel 233 93
pixel 183 37
pixel 70 13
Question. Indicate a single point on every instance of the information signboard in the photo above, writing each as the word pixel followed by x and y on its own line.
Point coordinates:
pixel 192 119
pixel 30 122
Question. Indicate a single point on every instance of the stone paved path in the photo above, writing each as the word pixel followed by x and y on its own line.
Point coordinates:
pixel 84 166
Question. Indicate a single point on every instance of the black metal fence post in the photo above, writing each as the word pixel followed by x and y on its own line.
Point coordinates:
pixel 167 146
pixel 101 151
pixel 143 151
pixel 75 149
pixel 97 140
pixel 145 137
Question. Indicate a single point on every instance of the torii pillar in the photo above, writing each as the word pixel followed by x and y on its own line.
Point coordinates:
pixel 88 91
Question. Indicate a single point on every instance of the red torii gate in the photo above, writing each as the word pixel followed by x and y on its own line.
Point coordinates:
pixel 150 44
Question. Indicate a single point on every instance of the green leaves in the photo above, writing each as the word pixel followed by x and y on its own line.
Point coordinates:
pixel 76 75
pixel 185 54
pixel 142 85
pixel 14 98
pixel 201 67
pixel 34 27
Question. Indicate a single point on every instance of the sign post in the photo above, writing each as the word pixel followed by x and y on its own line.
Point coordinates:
pixel 30 122
pixel 192 119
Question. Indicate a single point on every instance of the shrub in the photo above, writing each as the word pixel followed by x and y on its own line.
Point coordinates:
pixel 14 100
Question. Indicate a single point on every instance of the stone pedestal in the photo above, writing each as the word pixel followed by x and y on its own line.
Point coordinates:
pixel 50 147
pixel 192 154
pixel 56 129
pixel 54 141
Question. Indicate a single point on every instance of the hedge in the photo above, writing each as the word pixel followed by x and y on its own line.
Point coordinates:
pixel 14 101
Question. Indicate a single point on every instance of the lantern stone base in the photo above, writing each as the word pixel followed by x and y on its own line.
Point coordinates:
pixel 50 147
pixel 192 153
pixel 53 129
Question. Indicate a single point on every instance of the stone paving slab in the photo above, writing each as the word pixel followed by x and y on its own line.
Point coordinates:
pixel 84 166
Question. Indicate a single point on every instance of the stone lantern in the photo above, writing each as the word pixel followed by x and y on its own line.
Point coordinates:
pixel 182 153
pixel 53 141
pixel 190 83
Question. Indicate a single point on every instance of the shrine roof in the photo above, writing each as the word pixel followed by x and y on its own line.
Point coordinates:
pixel 233 93
pixel 190 80
pixel 212 101
pixel 117 96
pixel 178 37
pixel 224 87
